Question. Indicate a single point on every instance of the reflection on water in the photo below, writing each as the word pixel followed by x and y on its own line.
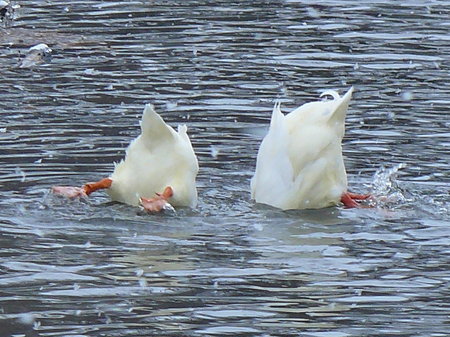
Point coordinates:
pixel 228 267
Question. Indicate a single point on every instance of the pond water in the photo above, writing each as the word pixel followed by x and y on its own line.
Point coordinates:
pixel 228 267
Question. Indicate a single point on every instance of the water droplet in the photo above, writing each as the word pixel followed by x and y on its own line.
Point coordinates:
pixel 407 95
pixel 90 71
pixel 26 318
pixel 214 151
pixel 312 12
pixel 19 171
pixel 171 105
pixel 391 115
pixel 258 227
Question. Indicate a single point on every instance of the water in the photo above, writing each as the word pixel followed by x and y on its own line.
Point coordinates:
pixel 229 267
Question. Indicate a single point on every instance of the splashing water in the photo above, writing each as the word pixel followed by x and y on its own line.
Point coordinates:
pixel 385 188
pixel 387 193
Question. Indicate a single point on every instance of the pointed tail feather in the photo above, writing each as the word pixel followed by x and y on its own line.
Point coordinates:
pixel 276 114
pixel 340 110
pixel 153 126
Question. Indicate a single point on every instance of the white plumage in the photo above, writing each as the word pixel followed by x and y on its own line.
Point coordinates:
pixel 157 158
pixel 300 163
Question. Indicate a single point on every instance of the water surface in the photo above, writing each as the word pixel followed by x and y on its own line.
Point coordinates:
pixel 228 267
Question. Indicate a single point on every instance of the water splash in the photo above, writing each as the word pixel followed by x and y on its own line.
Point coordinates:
pixel 389 192
pixel 214 151
pixel 385 188
pixel 19 172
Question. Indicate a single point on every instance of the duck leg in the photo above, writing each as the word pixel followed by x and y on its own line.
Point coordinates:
pixel 159 202
pixel 350 200
pixel 77 192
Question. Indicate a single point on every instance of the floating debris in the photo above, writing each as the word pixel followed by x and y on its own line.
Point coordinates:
pixel 4 7
pixel 7 12
pixel 36 55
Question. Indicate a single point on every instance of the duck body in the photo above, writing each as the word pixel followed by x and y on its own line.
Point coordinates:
pixel 158 171
pixel 159 157
pixel 299 163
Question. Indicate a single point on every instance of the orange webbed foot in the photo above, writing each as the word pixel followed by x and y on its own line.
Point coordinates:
pixel 356 196
pixel 350 200
pixel 73 192
pixel 159 202
pixel 98 185
pixel 70 192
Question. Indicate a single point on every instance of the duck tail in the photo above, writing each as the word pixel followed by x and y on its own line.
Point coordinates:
pixel 341 107
pixel 153 126
pixel 277 115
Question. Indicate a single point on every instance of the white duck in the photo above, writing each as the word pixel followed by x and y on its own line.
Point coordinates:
pixel 300 163
pixel 159 161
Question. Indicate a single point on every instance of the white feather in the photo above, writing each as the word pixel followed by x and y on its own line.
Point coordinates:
pixel 300 164
pixel 157 158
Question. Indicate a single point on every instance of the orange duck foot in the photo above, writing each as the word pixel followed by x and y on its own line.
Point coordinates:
pixel 350 200
pixel 72 192
pixel 158 203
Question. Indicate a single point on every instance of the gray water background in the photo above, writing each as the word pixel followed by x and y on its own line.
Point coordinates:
pixel 228 267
